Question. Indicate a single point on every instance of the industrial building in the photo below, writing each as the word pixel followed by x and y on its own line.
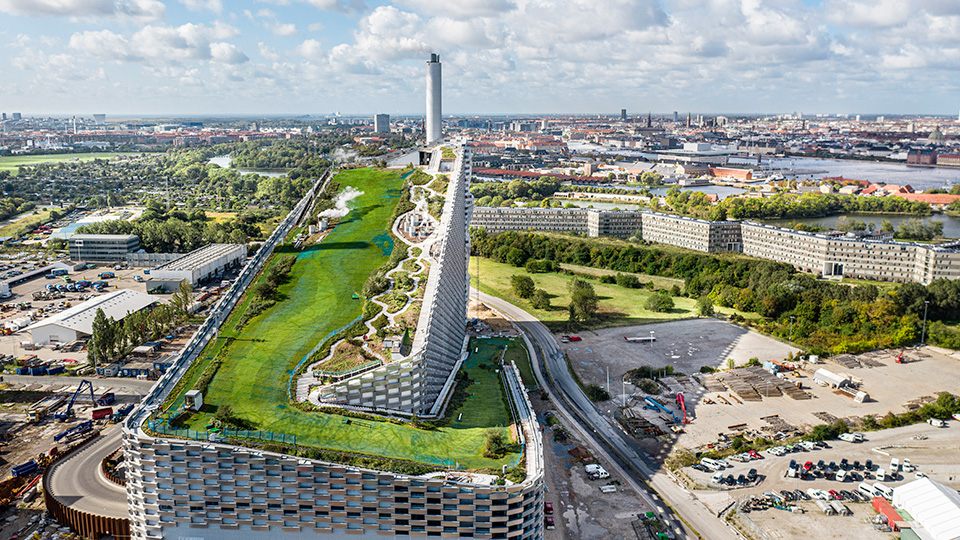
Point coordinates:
pixel 421 383
pixel 77 322
pixel 102 247
pixel 434 125
pixel 196 266
pixel 183 488
pixel 934 507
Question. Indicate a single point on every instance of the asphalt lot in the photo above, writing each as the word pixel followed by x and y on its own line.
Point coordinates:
pixel 686 345
pixel 935 456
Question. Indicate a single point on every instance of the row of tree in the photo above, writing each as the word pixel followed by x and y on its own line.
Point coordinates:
pixel 111 339
pixel 825 316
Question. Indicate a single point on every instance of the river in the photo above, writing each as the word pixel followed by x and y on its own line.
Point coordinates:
pixel 225 161
pixel 951 225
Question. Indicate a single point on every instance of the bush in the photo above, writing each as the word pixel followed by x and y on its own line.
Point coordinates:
pixel 826 432
pixel 628 281
pixel 541 267
pixel 661 302
pixel 597 394
pixel 707 369
pixel 523 286
pixel 705 306
pixel 496 444
pixel 608 279
pixel 648 386
pixel 541 300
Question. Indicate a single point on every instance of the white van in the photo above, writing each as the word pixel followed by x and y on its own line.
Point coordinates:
pixel 867 490
pixel 841 476
pixel 883 490
pixel 595 471
pixel 717 478
pixel 846 437
pixel 907 466
pixel 713 463
pixel 894 466
pixel 881 474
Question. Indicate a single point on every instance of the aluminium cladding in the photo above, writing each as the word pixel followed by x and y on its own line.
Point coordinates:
pixel 117 304
pixel 200 257
pixel 200 489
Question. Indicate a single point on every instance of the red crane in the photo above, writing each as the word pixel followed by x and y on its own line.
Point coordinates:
pixel 683 407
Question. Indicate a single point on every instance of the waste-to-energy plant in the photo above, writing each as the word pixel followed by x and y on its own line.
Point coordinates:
pixel 186 488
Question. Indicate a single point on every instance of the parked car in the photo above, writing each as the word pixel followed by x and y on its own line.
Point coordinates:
pixel 835 494
pixel 548 507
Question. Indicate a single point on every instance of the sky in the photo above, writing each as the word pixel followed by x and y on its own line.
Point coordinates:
pixel 301 57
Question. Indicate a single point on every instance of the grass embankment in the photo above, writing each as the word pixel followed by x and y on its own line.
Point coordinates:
pixel 517 354
pixel 619 306
pixel 316 299
pixel 12 163
pixel 34 219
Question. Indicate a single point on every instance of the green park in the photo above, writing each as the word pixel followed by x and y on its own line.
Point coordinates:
pixel 252 360
pixel 12 163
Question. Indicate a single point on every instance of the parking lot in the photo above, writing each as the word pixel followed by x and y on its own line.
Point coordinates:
pixel 932 451
pixel 22 307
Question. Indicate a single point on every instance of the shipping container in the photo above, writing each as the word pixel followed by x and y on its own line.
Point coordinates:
pixel 25 469
pixel 97 414
pixel 106 399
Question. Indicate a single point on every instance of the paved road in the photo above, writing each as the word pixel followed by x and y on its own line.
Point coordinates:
pixel 78 481
pixel 122 386
pixel 606 436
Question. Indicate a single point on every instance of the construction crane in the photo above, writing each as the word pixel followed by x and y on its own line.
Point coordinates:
pixel 683 407
pixel 657 406
pixel 69 410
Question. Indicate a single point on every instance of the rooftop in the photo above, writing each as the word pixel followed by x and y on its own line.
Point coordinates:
pixel 199 257
pixel 116 304
pixel 104 237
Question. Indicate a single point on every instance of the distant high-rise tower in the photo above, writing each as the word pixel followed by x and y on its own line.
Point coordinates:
pixel 100 119
pixel 16 116
pixel 676 116
pixel 688 120
pixel 649 119
pixel 623 115
pixel 434 122
pixel 381 123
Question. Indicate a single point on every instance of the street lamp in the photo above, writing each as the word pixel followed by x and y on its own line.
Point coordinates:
pixel 791 329
pixel 923 333
pixel 651 339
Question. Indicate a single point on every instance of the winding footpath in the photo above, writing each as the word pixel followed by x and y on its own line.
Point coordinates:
pixel 308 385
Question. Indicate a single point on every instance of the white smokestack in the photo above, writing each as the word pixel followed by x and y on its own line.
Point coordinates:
pixel 434 122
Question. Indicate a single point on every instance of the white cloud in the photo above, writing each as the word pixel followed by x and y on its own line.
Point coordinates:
pixel 227 53
pixel 215 6
pixel 133 9
pixel 283 29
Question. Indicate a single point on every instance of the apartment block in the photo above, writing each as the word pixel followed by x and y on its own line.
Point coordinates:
pixel 613 224
pixel 497 219
pixel 690 233
pixel 851 256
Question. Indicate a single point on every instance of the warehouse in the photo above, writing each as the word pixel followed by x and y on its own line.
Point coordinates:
pixel 934 507
pixel 77 322
pixel 198 265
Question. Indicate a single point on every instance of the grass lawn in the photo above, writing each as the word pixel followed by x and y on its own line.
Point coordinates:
pixel 619 306
pixel 30 220
pixel 220 217
pixel 659 282
pixel 11 163
pixel 316 300
pixel 486 405
pixel 517 354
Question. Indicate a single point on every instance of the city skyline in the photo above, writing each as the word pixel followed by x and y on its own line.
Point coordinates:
pixel 191 57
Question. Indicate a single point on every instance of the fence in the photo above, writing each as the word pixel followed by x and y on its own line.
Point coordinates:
pixel 198 435
pixel 222 309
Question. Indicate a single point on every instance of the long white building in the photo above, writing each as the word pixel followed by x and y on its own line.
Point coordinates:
pixel 823 254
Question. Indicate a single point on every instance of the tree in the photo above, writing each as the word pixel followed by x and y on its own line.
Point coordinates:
pixel 705 306
pixel 597 393
pixel 523 286
pixel 661 302
pixel 496 444
pixel 181 300
pixel 583 303
pixel 101 339
pixel 541 300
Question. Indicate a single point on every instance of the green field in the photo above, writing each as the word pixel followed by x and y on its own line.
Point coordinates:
pixel 12 163
pixel 315 301
pixel 33 219
pixel 619 306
